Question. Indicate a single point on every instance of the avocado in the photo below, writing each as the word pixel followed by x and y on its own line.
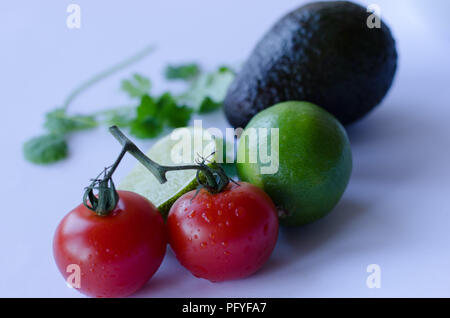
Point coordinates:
pixel 324 53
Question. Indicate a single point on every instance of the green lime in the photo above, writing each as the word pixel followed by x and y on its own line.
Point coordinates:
pixel 182 147
pixel 310 163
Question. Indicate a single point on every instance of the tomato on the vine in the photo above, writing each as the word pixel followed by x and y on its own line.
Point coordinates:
pixel 117 239
pixel 116 253
pixel 223 236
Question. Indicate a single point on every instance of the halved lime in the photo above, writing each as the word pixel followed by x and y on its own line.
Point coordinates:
pixel 182 147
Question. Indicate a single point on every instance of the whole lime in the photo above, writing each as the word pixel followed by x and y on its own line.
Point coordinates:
pixel 300 155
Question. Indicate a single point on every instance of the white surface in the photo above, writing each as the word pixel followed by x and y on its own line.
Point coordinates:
pixel 395 212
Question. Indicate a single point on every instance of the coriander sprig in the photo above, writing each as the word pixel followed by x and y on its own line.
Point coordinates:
pixel 150 116
pixel 52 145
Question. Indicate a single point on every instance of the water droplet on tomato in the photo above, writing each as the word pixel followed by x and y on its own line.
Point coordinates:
pixel 205 217
pixel 239 212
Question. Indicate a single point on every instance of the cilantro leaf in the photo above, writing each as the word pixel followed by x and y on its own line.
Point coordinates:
pixel 205 93
pixel 208 91
pixel 181 117
pixel 173 114
pixel 167 106
pixel 147 124
pixel 45 149
pixel 53 146
pixel 153 116
pixel 146 128
pixel 147 107
pixel 58 122
pixel 208 105
pixel 137 86
pixel 183 72
pixel 120 117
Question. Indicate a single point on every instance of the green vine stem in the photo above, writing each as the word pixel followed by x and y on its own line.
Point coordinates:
pixel 216 179
pixel 212 177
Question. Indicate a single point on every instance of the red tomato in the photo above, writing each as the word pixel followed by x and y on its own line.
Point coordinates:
pixel 118 253
pixel 223 236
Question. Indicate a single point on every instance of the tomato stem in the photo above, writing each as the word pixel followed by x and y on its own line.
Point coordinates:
pixel 107 198
pixel 211 176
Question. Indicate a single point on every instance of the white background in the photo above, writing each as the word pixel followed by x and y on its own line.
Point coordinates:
pixel 395 212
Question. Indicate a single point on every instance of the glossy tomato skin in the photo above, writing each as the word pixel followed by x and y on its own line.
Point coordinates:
pixel 223 236
pixel 118 253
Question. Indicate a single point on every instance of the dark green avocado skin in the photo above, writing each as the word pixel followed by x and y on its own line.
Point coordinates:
pixel 323 53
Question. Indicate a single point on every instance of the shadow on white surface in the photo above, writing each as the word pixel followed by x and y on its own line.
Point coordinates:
pixel 391 149
pixel 298 243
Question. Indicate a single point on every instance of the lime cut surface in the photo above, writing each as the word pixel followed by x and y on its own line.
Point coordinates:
pixel 182 147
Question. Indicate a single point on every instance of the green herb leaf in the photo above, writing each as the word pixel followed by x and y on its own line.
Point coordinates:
pixel 183 72
pixel 146 128
pixel 147 107
pixel 173 114
pixel 45 149
pixel 120 116
pixel 208 91
pixel 53 147
pixel 147 124
pixel 137 86
pixel 153 116
pixel 180 117
pixel 208 105
pixel 167 106
pixel 58 122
